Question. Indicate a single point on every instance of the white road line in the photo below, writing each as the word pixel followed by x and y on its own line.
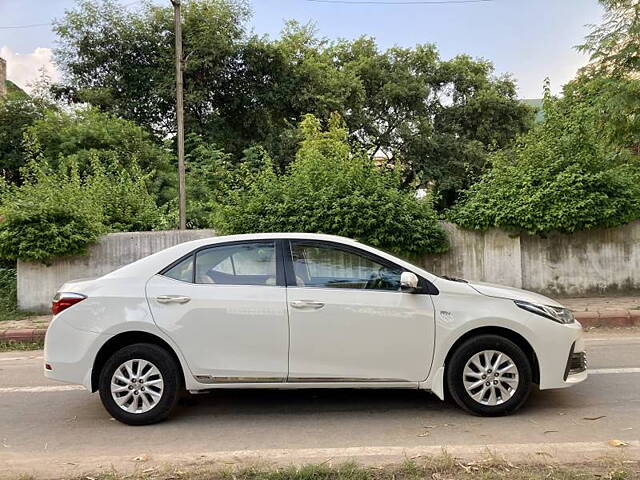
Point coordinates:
pixel 620 339
pixel 41 389
pixel 599 371
pixel 69 388
pixel 13 359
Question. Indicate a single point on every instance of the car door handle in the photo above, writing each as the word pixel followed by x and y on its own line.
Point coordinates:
pixel 172 299
pixel 307 304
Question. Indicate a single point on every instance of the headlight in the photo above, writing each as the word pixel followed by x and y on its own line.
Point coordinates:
pixel 558 314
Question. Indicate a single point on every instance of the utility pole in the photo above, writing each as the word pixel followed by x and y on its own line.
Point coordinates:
pixel 182 195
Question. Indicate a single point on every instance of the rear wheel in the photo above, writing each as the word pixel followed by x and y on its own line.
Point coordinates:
pixel 140 384
pixel 489 375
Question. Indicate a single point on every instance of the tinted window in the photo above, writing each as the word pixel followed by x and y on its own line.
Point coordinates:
pixel 325 266
pixel 239 264
pixel 183 271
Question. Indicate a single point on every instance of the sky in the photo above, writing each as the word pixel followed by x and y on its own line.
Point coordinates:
pixel 529 39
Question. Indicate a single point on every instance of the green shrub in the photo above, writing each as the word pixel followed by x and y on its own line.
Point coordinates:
pixel 327 189
pixel 57 213
pixel 566 175
pixel 49 216
pixel 124 199
pixel 8 292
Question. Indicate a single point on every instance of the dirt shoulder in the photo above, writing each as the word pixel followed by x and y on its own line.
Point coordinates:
pixel 392 463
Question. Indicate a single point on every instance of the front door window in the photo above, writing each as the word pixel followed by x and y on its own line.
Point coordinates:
pixel 330 267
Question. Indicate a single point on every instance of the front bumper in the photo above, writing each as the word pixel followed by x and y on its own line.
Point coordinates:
pixel 564 362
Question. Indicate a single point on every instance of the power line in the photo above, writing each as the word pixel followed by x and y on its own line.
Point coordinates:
pixel 33 25
pixel 25 26
pixel 400 2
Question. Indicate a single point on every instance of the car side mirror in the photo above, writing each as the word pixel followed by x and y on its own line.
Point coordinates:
pixel 409 282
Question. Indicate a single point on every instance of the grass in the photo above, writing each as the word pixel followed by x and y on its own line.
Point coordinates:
pixel 19 346
pixel 442 467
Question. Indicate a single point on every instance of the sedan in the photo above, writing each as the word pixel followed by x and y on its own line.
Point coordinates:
pixel 303 311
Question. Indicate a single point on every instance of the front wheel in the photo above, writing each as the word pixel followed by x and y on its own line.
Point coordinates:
pixel 489 375
pixel 140 384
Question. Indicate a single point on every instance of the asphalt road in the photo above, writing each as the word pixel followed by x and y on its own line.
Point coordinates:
pixel 50 427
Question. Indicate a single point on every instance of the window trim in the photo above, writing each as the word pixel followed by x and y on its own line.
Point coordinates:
pixel 280 272
pixel 425 286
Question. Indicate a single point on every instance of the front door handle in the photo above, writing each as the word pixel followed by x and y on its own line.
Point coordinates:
pixel 307 304
pixel 172 299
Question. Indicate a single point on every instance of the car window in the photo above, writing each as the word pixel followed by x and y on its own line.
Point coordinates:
pixel 326 266
pixel 238 264
pixel 183 271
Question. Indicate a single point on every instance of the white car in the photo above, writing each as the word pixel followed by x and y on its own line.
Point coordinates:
pixel 303 311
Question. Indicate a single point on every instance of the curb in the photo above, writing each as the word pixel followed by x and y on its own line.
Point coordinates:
pixel 29 335
pixel 605 318
pixel 609 318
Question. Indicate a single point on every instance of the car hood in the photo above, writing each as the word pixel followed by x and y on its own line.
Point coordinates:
pixel 500 291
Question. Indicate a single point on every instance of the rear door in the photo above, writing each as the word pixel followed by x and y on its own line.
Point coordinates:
pixel 350 322
pixel 225 307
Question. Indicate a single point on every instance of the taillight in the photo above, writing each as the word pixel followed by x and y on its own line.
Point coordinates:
pixel 64 300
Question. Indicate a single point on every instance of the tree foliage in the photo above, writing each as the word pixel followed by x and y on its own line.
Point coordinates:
pixel 570 173
pixel 436 118
pixel 613 45
pixel 87 135
pixel 330 189
pixel 18 112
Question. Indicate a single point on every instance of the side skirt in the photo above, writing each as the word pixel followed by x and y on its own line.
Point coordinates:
pixel 298 384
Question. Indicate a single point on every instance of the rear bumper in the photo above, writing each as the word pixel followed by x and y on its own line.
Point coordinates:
pixel 69 353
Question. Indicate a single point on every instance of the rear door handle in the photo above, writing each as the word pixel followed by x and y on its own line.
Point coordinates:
pixel 307 304
pixel 172 299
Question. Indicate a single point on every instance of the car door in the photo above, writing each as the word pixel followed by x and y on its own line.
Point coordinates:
pixel 225 307
pixel 349 321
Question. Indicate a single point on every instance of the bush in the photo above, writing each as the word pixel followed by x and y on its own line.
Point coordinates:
pixel 8 293
pixel 327 189
pixel 48 216
pixel 57 213
pixel 124 198
pixel 565 175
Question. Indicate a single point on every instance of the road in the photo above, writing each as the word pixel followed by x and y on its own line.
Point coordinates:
pixel 51 427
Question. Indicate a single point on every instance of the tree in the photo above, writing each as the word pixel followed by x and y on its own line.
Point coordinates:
pixel 565 175
pixel 122 61
pixel 614 45
pixel 437 119
pixel 18 112
pixel 330 189
pixel 85 135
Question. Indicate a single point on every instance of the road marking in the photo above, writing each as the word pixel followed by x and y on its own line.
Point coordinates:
pixel 70 388
pixel 42 389
pixel 13 359
pixel 599 371
pixel 621 339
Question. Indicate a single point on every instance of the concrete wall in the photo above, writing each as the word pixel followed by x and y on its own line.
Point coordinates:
pixel 584 263
pixel 598 261
pixel 37 283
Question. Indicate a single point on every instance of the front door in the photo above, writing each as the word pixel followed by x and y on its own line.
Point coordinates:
pixel 350 322
pixel 225 307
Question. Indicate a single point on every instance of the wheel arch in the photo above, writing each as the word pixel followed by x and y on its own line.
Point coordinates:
pixel 507 333
pixel 124 339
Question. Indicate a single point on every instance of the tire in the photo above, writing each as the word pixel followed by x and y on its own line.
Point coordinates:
pixel 509 387
pixel 142 403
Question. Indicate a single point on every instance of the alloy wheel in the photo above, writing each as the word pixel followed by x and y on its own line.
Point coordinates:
pixel 137 386
pixel 490 377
